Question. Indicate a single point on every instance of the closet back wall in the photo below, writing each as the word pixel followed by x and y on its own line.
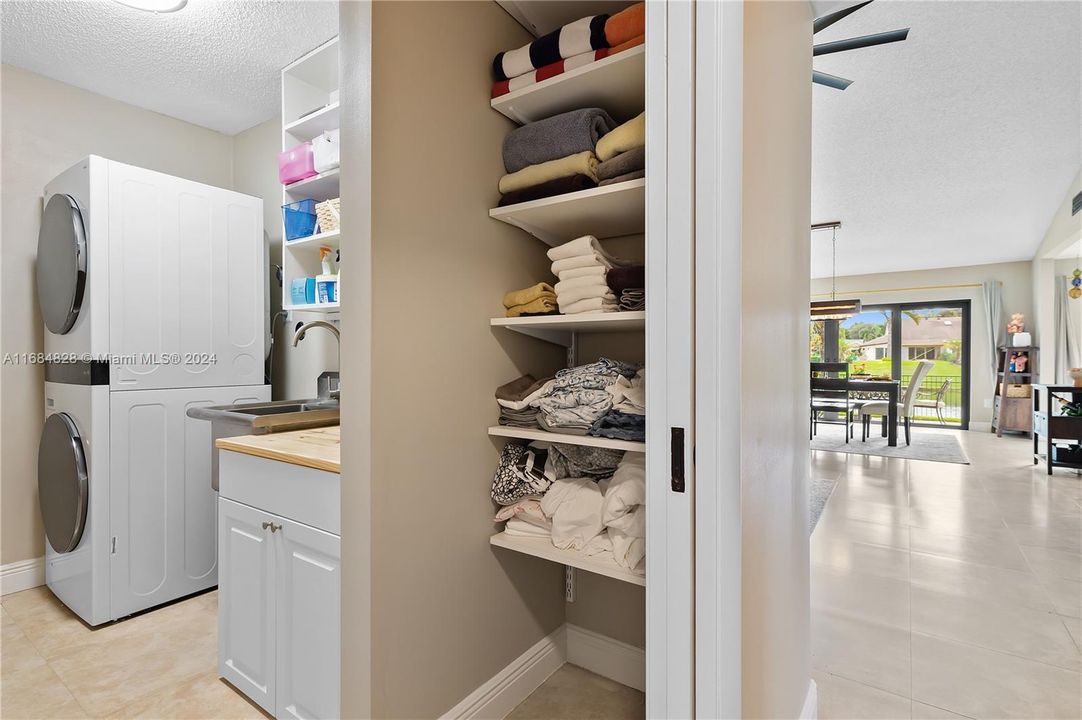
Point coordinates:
pixel 448 611
pixel 48 126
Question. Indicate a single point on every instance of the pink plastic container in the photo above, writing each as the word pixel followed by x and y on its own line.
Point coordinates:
pixel 296 164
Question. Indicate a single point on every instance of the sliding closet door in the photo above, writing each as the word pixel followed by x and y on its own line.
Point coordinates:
pixel 670 127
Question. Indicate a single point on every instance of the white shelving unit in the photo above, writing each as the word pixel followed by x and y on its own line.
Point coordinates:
pixel 532 434
pixel 309 107
pixel 561 329
pixel 543 548
pixel 616 83
pixel 604 212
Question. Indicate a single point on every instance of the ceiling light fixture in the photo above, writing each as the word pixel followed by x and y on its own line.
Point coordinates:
pixel 833 309
pixel 155 6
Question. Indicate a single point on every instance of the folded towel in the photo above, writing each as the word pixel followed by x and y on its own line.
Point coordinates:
pixel 574 295
pixel 559 186
pixel 581 261
pixel 622 164
pixel 583 163
pixel 584 245
pixel 626 45
pixel 555 137
pixel 634 175
pixel 626 25
pixel 633 299
pixel 518 388
pixel 502 87
pixel 590 305
pixel 572 39
pixel 545 305
pixel 527 295
pixel 628 136
pixel 597 272
pixel 622 278
pixel 588 281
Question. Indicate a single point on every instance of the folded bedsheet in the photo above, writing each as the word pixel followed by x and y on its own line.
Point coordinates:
pixel 635 175
pixel 622 164
pixel 555 137
pixel 628 136
pixel 583 163
pixel 552 188
pixel 575 38
pixel 626 25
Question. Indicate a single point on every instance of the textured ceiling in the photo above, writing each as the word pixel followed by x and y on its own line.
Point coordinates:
pixel 952 148
pixel 214 63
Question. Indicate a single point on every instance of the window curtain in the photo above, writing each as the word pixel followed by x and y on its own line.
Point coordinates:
pixel 1068 331
pixel 993 302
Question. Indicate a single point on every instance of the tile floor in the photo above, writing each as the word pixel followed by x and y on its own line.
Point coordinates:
pixel 946 591
pixel 157 665
pixel 572 692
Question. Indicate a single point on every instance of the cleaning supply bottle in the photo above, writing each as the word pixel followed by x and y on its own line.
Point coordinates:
pixel 327 282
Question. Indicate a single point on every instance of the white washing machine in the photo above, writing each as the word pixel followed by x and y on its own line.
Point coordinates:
pixel 152 292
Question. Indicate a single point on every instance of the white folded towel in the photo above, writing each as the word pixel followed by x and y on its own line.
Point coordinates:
pixel 574 504
pixel 626 493
pixel 595 272
pixel 590 305
pixel 580 261
pixel 585 245
pixel 589 281
pixel 586 292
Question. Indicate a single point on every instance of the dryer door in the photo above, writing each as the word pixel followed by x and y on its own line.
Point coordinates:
pixel 61 263
pixel 63 482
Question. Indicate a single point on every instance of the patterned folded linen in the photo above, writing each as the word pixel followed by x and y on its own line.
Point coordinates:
pixel 583 163
pixel 575 38
pixel 626 25
pixel 628 136
pixel 622 164
pixel 552 188
pixel 555 137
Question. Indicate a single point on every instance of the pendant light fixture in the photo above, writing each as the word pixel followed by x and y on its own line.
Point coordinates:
pixel 833 309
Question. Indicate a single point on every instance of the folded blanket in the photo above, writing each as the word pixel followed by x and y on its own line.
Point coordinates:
pixel 559 186
pixel 555 137
pixel 626 25
pixel 628 136
pixel 572 39
pixel 584 245
pixel 621 278
pixel 585 292
pixel 622 164
pixel 595 272
pixel 626 491
pixel 590 305
pixel 574 504
pixel 528 295
pixel 583 163
pixel 581 261
pixel 635 175
pixel 545 305
pixel 633 299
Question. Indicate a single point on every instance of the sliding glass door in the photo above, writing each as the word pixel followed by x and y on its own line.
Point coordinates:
pixel 890 340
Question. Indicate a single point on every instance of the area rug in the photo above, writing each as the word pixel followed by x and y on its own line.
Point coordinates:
pixel 819 490
pixel 927 445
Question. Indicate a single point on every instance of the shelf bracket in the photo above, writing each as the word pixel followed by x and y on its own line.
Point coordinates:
pixel 569 583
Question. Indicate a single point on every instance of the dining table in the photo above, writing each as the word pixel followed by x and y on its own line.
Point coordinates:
pixel 878 388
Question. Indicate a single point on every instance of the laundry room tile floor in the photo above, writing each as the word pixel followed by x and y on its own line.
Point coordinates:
pixel 572 692
pixel 160 664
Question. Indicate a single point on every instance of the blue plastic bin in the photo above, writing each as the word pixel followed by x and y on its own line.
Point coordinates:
pixel 299 219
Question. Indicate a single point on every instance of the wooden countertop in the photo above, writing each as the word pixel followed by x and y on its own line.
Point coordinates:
pixel 318 448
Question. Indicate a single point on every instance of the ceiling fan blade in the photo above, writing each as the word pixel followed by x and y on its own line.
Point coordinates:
pixel 826 21
pixel 833 81
pixel 863 41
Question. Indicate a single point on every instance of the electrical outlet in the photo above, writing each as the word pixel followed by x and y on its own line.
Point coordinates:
pixel 988 403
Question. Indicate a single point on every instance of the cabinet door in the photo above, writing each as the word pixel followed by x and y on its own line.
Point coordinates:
pixel 308 597
pixel 246 601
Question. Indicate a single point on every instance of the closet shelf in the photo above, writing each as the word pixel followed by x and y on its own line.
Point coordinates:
pixel 560 329
pixel 543 548
pixel 318 187
pixel 616 83
pixel 330 239
pixel 315 124
pixel 604 212
pixel 551 437
pixel 314 307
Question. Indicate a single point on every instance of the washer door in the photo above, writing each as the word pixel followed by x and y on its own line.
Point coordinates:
pixel 61 264
pixel 63 483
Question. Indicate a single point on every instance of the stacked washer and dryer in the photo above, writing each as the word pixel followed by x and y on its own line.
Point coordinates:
pixel 152 289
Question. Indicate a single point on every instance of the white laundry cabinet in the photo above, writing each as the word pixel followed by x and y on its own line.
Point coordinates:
pixel 279 584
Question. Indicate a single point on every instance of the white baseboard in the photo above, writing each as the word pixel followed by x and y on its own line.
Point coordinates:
pixel 23 575
pixel 810 711
pixel 626 664
pixel 509 687
pixel 980 426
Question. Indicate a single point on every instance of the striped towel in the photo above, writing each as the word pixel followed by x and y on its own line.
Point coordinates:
pixel 502 87
pixel 572 39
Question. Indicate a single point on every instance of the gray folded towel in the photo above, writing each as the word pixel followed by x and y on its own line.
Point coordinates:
pixel 555 137
pixel 623 178
pixel 622 164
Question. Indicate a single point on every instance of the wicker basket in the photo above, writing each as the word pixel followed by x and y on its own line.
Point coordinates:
pixel 1015 390
pixel 328 214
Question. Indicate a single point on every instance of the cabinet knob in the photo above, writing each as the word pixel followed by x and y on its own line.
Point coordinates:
pixel 272 526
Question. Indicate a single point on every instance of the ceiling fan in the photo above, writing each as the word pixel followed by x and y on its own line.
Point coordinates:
pixel 822 23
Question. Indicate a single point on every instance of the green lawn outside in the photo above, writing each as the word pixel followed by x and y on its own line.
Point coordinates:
pixel 882 367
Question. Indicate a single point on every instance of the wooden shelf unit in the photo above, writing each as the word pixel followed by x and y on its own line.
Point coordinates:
pixel 1053 428
pixel 1009 413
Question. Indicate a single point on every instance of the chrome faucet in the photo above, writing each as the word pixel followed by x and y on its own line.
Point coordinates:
pixel 328 383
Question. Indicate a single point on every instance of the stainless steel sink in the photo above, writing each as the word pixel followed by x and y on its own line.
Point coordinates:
pixel 261 418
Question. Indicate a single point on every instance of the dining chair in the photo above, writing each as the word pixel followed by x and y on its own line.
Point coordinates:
pixel 830 396
pixel 938 403
pixel 905 407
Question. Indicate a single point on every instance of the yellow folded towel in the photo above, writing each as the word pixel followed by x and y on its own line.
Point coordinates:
pixel 583 163
pixel 528 295
pixel 628 136
pixel 540 306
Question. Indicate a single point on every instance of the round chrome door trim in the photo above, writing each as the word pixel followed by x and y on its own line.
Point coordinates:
pixel 63 482
pixel 61 263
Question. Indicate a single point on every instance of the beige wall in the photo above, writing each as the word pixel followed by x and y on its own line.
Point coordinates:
pixel 920 286
pixel 447 611
pixel 47 127
pixel 774 430
pixel 255 172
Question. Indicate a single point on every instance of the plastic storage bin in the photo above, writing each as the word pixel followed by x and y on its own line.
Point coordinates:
pixel 299 219
pixel 296 164
pixel 325 151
